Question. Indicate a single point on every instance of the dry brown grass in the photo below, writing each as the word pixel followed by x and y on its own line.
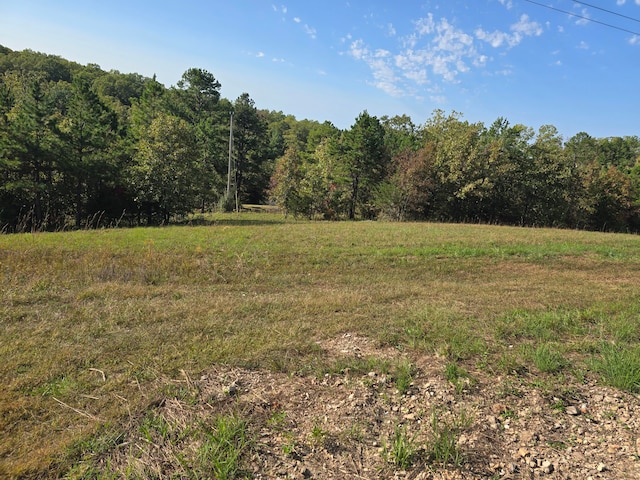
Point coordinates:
pixel 141 305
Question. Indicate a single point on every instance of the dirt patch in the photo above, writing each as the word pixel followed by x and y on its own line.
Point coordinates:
pixel 343 425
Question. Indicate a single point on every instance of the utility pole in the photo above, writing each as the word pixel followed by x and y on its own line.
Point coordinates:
pixel 230 152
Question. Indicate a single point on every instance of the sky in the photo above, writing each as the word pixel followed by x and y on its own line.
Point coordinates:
pixel 574 65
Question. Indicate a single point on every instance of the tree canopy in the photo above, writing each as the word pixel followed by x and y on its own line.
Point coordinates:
pixel 82 147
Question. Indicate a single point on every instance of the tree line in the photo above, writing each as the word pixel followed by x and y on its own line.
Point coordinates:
pixel 82 147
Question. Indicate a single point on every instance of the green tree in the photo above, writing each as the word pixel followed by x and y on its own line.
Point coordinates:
pixel 28 161
pixel 145 110
pixel 409 191
pixel 366 158
pixel 87 130
pixel 460 165
pixel 165 172
pixel 250 147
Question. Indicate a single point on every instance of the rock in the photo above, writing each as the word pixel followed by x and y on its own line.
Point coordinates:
pixel 492 422
pixel 547 466
pixel 511 468
pixel 230 389
pixel 572 410
pixel 601 467
pixel 527 437
pixel 498 408
pixel 613 448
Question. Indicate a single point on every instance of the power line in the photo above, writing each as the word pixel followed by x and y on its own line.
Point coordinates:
pixel 583 17
pixel 608 11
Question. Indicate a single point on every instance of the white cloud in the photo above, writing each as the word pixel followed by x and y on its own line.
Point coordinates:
pixel 435 51
pixel 522 28
pixel 527 27
pixel 507 3
pixel 297 19
pixel 585 20
pixel 260 54
pixel 384 76
pixel 635 40
pixel 310 31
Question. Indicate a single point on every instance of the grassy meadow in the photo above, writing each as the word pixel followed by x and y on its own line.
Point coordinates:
pixel 97 325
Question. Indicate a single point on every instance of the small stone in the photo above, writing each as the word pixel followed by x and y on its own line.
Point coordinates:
pixel 230 389
pixel 572 410
pixel 584 408
pixel 601 467
pixel 613 448
pixel 498 408
pixel 547 466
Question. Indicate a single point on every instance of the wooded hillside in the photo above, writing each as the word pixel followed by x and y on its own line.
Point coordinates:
pixel 81 147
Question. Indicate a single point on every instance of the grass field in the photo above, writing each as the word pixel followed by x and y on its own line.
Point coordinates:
pixel 94 325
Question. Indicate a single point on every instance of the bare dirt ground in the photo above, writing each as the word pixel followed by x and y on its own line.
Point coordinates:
pixel 341 426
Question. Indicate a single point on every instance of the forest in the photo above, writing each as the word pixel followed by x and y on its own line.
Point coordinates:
pixel 81 147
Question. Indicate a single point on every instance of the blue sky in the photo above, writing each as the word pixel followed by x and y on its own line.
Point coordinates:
pixel 332 59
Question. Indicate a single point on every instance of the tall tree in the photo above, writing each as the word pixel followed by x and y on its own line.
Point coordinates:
pixel 366 157
pixel 196 100
pixel 252 168
pixel 165 172
pixel 28 154
pixel 87 130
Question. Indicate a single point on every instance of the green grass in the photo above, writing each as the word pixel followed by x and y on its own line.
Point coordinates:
pixel 620 366
pixel 402 450
pixel 443 448
pixel 221 453
pixel 94 323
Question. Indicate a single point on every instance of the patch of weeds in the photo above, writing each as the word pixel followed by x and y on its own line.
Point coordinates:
pixel 619 367
pixel 277 419
pixel 557 444
pixel 402 450
pixel 355 432
pixel 444 332
pixel 547 359
pixel 509 363
pixel 624 328
pixel 558 405
pixel 443 448
pixel 318 434
pixel 357 366
pixel 222 450
pixel 510 388
pixel 404 372
pixel 458 376
pixel 155 428
pixel 83 451
pixel 507 413
pixel 289 446
pixel 415 335
pixel 55 387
